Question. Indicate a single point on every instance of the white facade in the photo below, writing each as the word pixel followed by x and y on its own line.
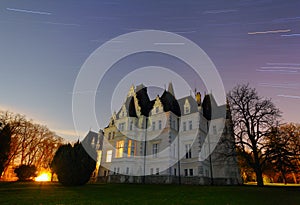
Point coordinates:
pixel 173 132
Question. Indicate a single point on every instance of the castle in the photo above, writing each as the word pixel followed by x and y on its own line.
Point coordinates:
pixel 167 140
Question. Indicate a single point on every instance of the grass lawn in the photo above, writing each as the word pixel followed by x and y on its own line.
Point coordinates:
pixel 53 193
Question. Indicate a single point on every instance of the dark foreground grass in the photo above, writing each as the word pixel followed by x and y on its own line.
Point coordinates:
pixel 53 193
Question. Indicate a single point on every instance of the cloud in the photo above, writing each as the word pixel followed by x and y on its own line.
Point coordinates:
pixel 220 11
pixel 291 35
pixel 281 85
pixel 61 24
pixel 271 31
pixel 29 11
pixel 277 70
pixel 169 43
pixel 290 96
pixel 70 133
pixel 287 64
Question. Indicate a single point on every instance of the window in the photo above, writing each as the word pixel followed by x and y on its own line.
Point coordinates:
pixel 131 125
pixel 200 170
pixel 173 124
pixel 206 172
pixel 108 155
pixel 127 170
pixel 154 150
pixel 186 172
pixel 118 170
pixel 122 126
pixel 153 125
pixel 109 135
pixel 191 172
pixel 105 173
pixel 159 124
pixel 188 152
pixel 113 135
pixel 115 170
pixel 187 110
pixel 157 171
pixel 156 109
pixel 190 125
pixel 151 171
pixel 214 129
pixel 131 148
pixel 175 171
pixel 184 126
pixel 119 149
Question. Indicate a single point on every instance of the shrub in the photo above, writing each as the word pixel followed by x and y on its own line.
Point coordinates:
pixel 26 172
pixel 73 165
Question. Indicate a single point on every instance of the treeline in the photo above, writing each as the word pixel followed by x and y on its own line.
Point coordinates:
pixel 24 142
pixel 268 149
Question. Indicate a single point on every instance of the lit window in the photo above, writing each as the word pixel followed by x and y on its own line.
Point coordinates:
pixel 154 150
pixel 108 155
pixel 184 126
pixel 188 152
pixel 190 125
pixel 131 148
pixel 119 148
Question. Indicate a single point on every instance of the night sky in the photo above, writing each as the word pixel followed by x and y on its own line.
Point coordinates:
pixel 45 43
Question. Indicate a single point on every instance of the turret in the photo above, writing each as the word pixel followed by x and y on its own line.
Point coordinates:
pixel 198 98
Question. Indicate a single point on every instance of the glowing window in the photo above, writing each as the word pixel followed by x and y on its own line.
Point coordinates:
pixel 108 155
pixel 119 149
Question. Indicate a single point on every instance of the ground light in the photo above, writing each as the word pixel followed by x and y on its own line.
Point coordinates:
pixel 43 177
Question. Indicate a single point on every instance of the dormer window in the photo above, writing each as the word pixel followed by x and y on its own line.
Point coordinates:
pixel 187 107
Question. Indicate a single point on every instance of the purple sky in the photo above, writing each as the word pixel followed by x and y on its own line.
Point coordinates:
pixel 43 46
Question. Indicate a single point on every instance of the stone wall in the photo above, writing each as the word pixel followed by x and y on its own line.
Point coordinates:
pixel 159 179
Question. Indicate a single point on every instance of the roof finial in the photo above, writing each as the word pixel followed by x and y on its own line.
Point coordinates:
pixel 171 89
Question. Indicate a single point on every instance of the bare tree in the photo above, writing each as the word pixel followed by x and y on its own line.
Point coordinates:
pixel 31 144
pixel 252 117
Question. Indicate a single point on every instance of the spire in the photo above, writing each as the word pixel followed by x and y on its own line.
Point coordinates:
pixel 170 89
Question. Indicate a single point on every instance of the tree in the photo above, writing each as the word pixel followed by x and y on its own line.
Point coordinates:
pixel 31 143
pixel 5 139
pixel 26 172
pixel 253 117
pixel 73 165
pixel 283 149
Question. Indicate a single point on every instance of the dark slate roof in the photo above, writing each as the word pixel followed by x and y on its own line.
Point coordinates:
pixel 170 103
pixel 193 104
pixel 93 135
pixel 210 108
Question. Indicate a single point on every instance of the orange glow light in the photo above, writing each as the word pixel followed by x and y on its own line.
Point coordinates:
pixel 43 177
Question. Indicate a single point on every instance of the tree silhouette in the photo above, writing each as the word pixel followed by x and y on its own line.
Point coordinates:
pixel 253 117
pixel 5 140
pixel 73 165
